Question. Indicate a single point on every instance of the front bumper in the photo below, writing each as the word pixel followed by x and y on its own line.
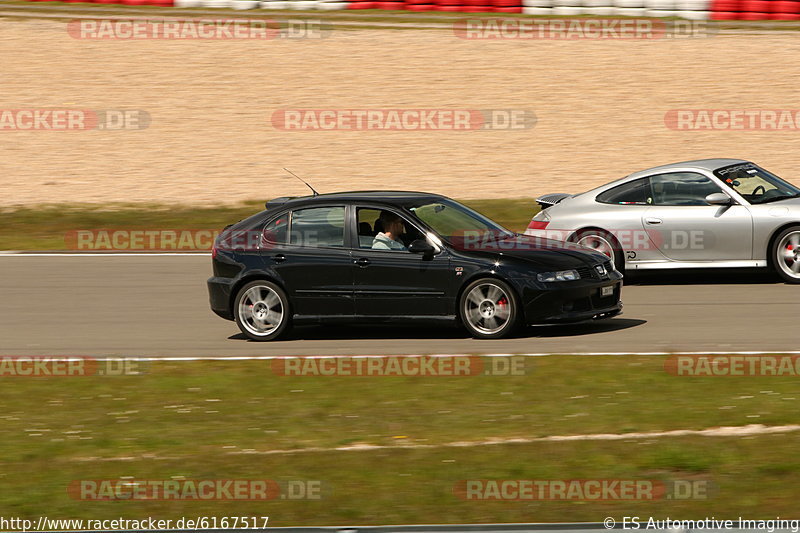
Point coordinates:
pixel 567 303
pixel 219 296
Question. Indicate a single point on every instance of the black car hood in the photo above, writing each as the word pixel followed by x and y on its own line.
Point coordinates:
pixel 545 253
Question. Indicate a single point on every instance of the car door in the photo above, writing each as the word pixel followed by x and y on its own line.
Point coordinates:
pixel 396 282
pixel 314 264
pixel 620 210
pixel 684 227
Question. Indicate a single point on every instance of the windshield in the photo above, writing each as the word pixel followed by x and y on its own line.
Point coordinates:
pixel 452 220
pixel 755 184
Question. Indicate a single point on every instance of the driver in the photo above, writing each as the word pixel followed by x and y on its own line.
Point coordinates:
pixel 389 238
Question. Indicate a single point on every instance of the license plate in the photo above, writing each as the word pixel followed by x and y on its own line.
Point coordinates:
pixel 607 291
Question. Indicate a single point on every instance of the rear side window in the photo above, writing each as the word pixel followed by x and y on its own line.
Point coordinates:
pixel 277 230
pixel 636 192
pixel 317 227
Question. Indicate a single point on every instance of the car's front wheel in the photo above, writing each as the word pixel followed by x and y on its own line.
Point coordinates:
pixel 489 309
pixel 261 310
pixel 785 254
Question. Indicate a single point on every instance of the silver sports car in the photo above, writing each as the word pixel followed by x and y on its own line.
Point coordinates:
pixel 707 213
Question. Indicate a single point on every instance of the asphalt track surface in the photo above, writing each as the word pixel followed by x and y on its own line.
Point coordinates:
pixel 157 306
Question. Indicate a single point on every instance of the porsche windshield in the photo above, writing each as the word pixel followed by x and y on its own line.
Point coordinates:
pixel 755 184
pixel 452 220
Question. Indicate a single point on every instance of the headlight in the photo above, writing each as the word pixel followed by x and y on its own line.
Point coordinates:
pixel 564 275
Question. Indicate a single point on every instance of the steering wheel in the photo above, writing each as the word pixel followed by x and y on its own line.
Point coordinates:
pixel 763 190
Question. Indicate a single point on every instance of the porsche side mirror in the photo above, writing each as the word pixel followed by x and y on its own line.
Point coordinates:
pixel 719 198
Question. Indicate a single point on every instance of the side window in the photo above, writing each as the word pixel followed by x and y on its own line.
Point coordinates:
pixel 276 230
pixel 384 230
pixel 636 192
pixel 681 188
pixel 368 226
pixel 317 227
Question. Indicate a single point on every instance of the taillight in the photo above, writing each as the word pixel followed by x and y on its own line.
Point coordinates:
pixel 214 251
pixel 538 224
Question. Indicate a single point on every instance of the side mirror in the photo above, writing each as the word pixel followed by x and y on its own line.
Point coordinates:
pixel 421 246
pixel 719 198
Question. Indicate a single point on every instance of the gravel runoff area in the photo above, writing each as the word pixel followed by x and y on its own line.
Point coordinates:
pixel 600 107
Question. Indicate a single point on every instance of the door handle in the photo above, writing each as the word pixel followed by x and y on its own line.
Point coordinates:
pixel 279 258
pixel 653 220
pixel 362 262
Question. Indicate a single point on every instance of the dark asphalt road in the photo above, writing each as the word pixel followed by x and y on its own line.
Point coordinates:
pixel 157 306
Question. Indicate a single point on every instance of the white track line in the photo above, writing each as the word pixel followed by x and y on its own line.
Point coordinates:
pixel 724 431
pixel 720 431
pixel 357 356
pixel 102 254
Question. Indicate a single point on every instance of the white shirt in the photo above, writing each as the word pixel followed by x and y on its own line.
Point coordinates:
pixel 384 242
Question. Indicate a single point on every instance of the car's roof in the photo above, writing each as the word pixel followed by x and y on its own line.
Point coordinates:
pixel 703 164
pixel 398 197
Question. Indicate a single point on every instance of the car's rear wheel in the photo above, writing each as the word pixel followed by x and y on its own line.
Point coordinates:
pixel 603 242
pixel 261 310
pixel 489 309
pixel 785 254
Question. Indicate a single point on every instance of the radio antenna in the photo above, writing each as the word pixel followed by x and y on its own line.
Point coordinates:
pixel 301 179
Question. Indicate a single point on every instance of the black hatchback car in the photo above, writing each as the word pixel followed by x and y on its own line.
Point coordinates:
pixel 391 256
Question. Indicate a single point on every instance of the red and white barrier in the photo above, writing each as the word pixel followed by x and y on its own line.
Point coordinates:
pixel 686 9
pixel 755 10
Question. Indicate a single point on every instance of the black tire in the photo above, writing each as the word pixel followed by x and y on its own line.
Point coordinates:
pixel 480 305
pixel 261 310
pixel 617 256
pixel 784 253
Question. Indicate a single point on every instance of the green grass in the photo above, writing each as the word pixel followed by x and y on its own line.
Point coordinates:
pixel 214 420
pixel 45 227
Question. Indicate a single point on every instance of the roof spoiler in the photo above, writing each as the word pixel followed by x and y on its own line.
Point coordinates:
pixel 549 200
pixel 276 202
